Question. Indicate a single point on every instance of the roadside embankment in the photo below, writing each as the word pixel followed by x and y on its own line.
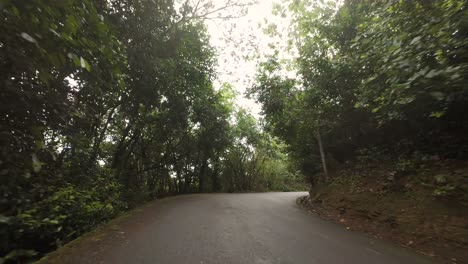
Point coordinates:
pixel 422 206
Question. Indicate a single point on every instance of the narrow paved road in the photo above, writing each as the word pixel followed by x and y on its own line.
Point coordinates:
pixel 229 228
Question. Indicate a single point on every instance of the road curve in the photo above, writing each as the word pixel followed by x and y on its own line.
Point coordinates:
pixel 257 228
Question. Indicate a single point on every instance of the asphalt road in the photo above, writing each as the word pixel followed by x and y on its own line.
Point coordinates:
pixel 256 228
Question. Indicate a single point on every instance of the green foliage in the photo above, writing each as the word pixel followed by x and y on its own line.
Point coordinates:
pixel 257 162
pixel 414 64
pixel 107 104
pixel 406 166
pixel 445 191
pixel 66 213
pixel 450 186
pixel 387 78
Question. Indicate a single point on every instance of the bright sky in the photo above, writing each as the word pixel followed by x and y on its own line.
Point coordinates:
pixel 243 36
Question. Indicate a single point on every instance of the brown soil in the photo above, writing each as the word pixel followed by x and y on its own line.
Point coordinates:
pixel 409 210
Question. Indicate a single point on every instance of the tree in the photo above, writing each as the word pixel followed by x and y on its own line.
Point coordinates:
pixel 105 104
pixel 367 78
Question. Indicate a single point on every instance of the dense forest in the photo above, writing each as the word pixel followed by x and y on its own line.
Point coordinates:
pixel 392 76
pixel 107 104
pixel 376 111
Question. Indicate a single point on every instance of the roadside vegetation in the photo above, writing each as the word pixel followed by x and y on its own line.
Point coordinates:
pixel 108 104
pixel 376 116
pixel 105 105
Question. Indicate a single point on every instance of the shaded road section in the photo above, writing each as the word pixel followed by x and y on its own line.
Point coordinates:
pixel 229 228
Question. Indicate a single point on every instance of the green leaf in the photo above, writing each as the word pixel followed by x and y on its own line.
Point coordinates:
pixel 432 73
pixel 441 178
pixel 437 114
pixel 85 64
pixel 40 144
pixel 4 219
pixel 438 95
pixel 54 222
pixel 28 37
pixel 415 40
pixel 405 100
pixel 72 24
pixel 36 164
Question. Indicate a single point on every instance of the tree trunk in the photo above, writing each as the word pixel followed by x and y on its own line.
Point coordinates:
pixel 100 139
pixel 202 177
pixel 322 154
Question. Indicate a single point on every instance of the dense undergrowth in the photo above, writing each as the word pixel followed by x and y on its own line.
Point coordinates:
pixel 373 109
pixel 107 104
pixel 419 202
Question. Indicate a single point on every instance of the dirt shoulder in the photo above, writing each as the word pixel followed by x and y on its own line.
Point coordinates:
pixel 408 210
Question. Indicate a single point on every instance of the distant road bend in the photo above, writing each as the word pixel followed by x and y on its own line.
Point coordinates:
pixel 229 228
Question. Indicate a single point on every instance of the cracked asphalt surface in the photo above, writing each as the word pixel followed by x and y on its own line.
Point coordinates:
pixel 243 228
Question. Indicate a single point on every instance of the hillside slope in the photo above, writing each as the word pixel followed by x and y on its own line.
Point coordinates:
pixel 421 205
